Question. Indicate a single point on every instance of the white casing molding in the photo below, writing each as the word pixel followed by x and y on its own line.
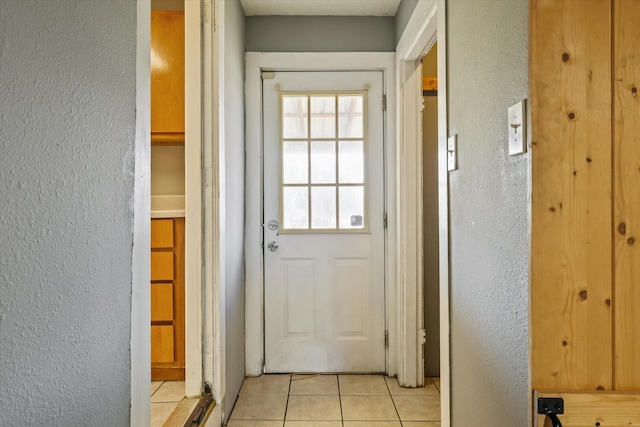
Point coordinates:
pixel 426 26
pixel 141 252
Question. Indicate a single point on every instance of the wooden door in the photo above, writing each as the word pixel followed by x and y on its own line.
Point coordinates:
pixel 167 299
pixel 585 279
pixel 167 77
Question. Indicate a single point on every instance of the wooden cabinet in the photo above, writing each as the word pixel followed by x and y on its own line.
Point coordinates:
pixel 167 77
pixel 167 299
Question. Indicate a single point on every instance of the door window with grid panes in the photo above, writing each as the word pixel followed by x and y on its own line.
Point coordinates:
pixel 323 150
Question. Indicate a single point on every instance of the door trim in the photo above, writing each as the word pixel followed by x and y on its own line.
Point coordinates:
pixel 426 25
pixel 255 64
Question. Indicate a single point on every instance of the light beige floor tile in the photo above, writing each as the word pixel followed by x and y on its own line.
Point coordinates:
pixel 301 408
pixel 362 385
pixel 160 412
pixel 314 385
pixel 418 408
pixel 260 407
pixel 420 424
pixel 372 424
pixel 428 390
pixel 155 385
pixel 363 408
pixel 266 384
pixel 169 391
pixel 243 423
pixel 313 424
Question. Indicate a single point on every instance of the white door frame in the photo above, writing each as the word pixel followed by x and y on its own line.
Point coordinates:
pixel 203 327
pixel 255 64
pixel 426 25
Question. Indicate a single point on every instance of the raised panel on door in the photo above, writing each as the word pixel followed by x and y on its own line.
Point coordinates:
pixel 162 302
pixel 162 266
pixel 161 233
pixel 162 344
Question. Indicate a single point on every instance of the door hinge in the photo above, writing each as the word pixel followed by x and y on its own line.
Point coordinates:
pixel 422 105
pixel 422 333
pixel 386 339
pixel 384 102
pixel 268 75
pixel 384 220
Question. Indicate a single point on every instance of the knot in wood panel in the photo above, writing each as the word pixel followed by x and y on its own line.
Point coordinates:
pixel 622 228
pixel 583 294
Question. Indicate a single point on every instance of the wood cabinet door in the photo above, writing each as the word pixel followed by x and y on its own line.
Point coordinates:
pixel 167 299
pixel 167 77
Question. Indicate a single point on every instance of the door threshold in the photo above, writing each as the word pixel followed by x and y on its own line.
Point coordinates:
pixel 191 412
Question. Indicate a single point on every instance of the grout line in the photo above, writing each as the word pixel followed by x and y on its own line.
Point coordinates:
pixel 286 407
pixel 340 400
pixel 392 400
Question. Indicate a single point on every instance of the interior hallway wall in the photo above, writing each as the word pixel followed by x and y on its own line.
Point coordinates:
pixel 67 138
pixel 320 34
pixel 234 144
pixel 487 52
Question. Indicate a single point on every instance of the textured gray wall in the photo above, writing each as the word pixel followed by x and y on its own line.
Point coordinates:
pixel 320 34
pixel 234 196
pixel 403 14
pixel 67 123
pixel 487 72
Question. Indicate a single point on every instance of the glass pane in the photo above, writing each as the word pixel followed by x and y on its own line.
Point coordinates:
pixel 323 207
pixel 352 207
pixel 323 117
pixel 295 208
pixel 323 162
pixel 294 116
pixel 295 162
pixel 351 162
pixel 350 116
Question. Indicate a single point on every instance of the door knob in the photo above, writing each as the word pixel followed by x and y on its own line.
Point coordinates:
pixel 272 246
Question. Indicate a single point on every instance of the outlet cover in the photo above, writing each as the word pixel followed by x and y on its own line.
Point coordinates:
pixel 517 128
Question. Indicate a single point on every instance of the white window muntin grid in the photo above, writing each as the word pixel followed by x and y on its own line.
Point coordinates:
pixel 336 139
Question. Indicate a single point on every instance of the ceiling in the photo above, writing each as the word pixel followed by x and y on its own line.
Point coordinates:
pixel 321 7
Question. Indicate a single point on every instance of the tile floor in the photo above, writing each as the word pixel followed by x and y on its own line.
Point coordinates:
pixel 335 401
pixel 165 396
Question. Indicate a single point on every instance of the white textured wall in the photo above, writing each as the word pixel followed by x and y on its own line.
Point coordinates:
pixel 234 198
pixel 67 122
pixel 487 72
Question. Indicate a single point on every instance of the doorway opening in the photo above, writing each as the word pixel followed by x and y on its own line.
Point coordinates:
pixel 425 27
pixel 430 259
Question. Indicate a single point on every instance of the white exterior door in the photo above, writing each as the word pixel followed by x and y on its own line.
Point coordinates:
pixel 324 222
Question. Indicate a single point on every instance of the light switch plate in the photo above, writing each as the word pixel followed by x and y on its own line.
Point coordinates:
pixel 517 128
pixel 452 153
